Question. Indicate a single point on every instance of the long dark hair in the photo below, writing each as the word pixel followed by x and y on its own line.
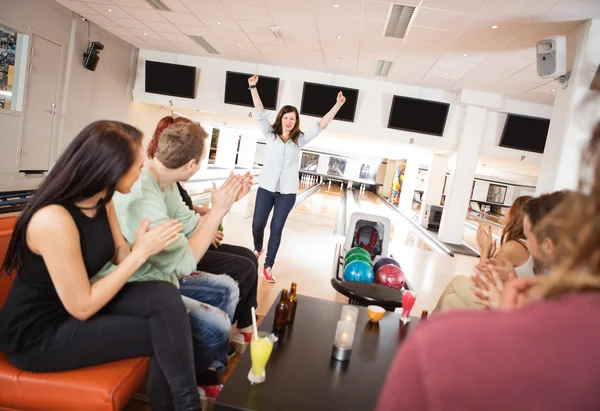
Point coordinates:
pixel 278 126
pixel 513 230
pixel 96 159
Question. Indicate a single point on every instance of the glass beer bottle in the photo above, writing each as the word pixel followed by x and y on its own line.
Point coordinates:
pixel 282 312
pixel 293 300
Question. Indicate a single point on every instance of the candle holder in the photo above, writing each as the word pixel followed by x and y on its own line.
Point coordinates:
pixel 344 337
pixel 349 313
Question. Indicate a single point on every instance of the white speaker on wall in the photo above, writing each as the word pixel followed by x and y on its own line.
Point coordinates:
pixel 552 57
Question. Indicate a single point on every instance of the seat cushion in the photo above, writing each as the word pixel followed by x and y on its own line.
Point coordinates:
pixel 102 387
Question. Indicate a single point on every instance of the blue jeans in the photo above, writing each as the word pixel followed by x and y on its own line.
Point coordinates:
pixel 266 201
pixel 211 301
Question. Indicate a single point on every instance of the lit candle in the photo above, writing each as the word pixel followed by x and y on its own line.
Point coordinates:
pixel 344 335
pixel 349 313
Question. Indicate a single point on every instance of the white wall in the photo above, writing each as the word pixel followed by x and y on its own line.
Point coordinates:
pixel 84 96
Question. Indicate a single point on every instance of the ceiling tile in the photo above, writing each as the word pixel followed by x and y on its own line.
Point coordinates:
pixel 98 1
pixel 458 64
pixel 272 50
pixel 415 59
pixel 191 48
pixel 256 27
pixel 441 19
pixel 265 39
pixel 467 57
pixel 300 32
pixel 181 18
pixel 422 48
pixel 513 87
pixel 99 19
pixel 549 88
pixel 437 82
pixel 115 11
pixel 340 25
pixel 517 9
pixel 145 15
pixel 539 30
pixel 288 4
pixel 129 23
pixel 176 6
pixel 132 3
pixel 454 5
pixel 467 43
pixel 244 2
pixel 231 36
pixel 529 76
pixel 293 17
pixel 78 7
pixel 302 44
pixel 146 34
pixel 508 60
pixel 446 74
pixel 336 48
pixel 540 98
pixel 325 9
pixel 374 55
pixel 376 10
pixel 217 24
pixel 206 8
pixel 250 13
pixel 194 30
pixel 164 28
pixel 565 10
pixel 118 31
pixel 433 36
pixel 334 37
pixel 372 28
pixel 176 38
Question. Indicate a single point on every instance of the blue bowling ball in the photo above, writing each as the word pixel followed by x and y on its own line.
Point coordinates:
pixel 384 261
pixel 359 271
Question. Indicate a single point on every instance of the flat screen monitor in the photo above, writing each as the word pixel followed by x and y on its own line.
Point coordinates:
pixel 496 194
pixel 525 133
pixel 318 99
pixel 237 93
pixel 419 116
pixel 170 79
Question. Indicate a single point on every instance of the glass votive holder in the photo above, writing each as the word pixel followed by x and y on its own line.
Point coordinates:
pixel 349 313
pixel 344 338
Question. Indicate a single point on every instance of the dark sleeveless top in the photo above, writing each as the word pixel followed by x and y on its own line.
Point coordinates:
pixel 33 310
pixel 185 197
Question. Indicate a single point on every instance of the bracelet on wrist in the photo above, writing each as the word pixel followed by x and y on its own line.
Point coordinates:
pixel 251 87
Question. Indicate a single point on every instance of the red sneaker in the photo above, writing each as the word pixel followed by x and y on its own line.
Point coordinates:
pixel 209 391
pixel 257 254
pixel 267 274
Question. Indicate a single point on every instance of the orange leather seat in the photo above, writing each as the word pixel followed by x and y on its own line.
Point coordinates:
pixel 99 388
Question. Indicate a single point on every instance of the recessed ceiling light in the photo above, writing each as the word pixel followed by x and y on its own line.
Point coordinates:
pixel 336 6
pixel 445 74
pixel 465 55
pixel 109 10
pixel 340 58
pixel 219 23
pixel 554 91
pixel 239 45
pixel 339 37
pixel 494 27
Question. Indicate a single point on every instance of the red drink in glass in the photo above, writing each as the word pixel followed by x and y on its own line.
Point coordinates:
pixel 408 302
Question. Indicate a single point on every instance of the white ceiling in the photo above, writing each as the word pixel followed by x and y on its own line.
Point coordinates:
pixel 450 44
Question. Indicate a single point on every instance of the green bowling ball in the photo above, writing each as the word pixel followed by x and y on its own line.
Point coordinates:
pixel 358 257
pixel 358 250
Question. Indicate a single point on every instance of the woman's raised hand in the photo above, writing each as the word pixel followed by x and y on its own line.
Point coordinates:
pixel 253 80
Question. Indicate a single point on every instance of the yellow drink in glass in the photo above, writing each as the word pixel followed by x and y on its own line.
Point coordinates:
pixel 260 351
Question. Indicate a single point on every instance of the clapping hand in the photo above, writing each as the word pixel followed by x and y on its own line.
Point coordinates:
pixel 490 279
pixel 253 80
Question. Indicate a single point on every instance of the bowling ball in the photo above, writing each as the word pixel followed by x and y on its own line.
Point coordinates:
pixel 390 276
pixel 384 261
pixel 358 271
pixel 358 257
pixel 358 250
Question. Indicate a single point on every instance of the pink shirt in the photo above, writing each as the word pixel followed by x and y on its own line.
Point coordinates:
pixel 545 357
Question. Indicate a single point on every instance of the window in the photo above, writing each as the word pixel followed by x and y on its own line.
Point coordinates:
pixel 13 63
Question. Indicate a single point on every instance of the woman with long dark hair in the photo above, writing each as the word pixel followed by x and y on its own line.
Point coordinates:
pixel 53 318
pixel 278 181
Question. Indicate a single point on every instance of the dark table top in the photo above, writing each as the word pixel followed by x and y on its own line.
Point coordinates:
pixel 301 375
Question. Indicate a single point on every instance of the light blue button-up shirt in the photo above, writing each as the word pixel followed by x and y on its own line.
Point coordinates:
pixel 282 160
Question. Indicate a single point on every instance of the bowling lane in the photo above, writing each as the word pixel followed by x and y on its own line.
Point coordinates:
pixel 402 233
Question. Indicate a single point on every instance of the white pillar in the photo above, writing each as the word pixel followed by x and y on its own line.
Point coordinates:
pixel 573 118
pixel 434 183
pixel 409 184
pixel 462 173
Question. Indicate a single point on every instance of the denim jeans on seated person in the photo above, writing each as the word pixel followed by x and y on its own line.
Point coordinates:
pixel 211 301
